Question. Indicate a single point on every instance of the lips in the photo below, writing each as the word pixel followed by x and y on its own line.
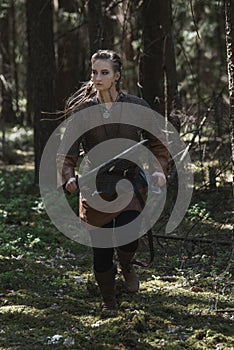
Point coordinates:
pixel 99 85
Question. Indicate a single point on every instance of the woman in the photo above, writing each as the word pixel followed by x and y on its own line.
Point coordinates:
pixel 103 89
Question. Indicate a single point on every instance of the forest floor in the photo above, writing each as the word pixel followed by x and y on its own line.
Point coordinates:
pixel 49 298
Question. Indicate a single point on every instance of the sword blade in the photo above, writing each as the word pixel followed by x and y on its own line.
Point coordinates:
pixel 83 179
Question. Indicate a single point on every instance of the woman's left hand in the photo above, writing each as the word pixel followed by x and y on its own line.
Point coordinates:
pixel 159 178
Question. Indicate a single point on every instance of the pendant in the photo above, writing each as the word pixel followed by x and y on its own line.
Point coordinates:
pixel 106 114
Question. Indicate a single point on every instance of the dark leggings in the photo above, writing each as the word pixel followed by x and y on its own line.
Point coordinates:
pixel 103 257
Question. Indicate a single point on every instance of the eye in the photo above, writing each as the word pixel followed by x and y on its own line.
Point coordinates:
pixel 94 72
pixel 105 72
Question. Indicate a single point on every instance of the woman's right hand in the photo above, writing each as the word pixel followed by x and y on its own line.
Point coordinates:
pixel 71 185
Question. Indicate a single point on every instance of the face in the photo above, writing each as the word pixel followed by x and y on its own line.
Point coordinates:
pixel 103 75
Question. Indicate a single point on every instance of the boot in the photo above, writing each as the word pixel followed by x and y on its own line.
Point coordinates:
pixel 129 273
pixel 106 283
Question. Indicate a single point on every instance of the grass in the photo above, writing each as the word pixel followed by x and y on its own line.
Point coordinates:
pixel 49 299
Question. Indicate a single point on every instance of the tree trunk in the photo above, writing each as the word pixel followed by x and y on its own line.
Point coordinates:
pixel 151 75
pixel 172 103
pixel 229 11
pixel 14 63
pixel 96 31
pixel 41 73
pixel 70 50
pixel 100 26
pixel 157 67
pixel 6 92
pixel 127 16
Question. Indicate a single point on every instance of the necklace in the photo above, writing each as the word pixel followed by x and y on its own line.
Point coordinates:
pixel 106 114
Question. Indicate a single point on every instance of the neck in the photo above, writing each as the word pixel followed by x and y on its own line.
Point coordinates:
pixel 107 96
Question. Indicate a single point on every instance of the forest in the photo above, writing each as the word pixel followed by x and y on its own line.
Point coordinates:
pixel 179 56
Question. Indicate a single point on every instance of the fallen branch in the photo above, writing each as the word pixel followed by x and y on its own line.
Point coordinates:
pixel 197 239
pixel 222 311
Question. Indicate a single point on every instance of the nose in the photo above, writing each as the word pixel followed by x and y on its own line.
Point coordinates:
pixel 98 76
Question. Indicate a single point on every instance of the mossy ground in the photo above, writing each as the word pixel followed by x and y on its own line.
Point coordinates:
pixel 49 299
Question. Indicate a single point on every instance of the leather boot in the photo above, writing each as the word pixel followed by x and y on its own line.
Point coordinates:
pixel 106 283
pixel 129 273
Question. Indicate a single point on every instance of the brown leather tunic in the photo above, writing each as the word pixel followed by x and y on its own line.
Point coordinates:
pixel 66 163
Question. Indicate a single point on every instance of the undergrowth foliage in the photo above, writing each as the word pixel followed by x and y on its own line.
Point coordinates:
pixel 49 299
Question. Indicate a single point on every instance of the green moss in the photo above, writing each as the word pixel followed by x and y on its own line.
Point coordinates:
pixel 47 288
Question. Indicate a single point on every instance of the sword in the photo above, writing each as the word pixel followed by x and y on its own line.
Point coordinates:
pixel 109 165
